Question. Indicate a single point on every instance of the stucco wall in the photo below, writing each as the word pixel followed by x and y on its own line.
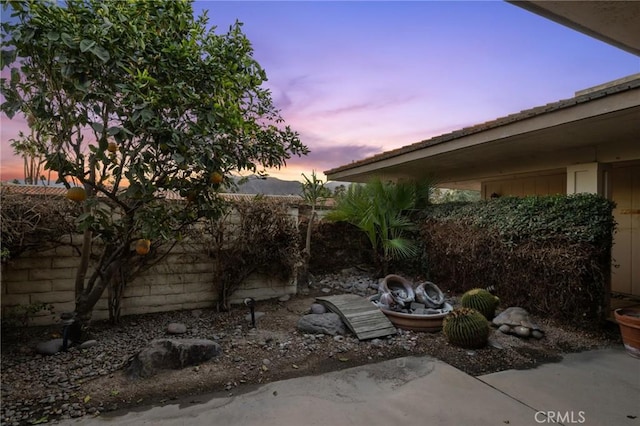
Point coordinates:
pixel 183 280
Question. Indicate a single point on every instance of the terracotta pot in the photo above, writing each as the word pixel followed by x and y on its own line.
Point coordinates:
pixel 629 322
pixel 429 323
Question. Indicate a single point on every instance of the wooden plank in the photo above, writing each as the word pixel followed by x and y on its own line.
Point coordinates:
pixel 364 319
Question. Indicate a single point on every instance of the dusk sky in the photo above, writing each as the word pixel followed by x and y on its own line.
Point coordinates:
pixel 358 78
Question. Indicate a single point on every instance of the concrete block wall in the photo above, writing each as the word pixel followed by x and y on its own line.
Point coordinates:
pixel 184 279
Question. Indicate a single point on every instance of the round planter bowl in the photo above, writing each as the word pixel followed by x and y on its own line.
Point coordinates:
pixel 429 323
pixel 629 322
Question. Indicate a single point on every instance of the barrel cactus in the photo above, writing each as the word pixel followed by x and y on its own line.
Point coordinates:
pixel 466 327
pixel 482 301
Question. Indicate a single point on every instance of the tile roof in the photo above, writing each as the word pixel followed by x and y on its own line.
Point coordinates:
pixel 581 97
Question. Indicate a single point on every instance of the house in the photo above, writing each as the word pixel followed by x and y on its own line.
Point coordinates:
pixel 588 143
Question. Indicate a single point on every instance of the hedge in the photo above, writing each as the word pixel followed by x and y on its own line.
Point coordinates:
pixel 548 254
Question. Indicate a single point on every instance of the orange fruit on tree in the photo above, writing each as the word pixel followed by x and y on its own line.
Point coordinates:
pixel 76 194
pixel 143 246
pixel 112 147
pixel 215 178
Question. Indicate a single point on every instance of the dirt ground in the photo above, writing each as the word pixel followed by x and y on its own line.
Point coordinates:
pixel 275 350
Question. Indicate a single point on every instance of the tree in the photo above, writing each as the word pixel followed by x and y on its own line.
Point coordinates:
pixel 140 100
pixel 451 195
pixel 32 150
pixel 381 209
pixel 312 191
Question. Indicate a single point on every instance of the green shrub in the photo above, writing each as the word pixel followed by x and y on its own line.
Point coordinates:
pixel 21 315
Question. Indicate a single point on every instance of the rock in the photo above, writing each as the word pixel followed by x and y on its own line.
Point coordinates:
pixel 377 343
pixel 522 331
pixel 328 323
pixel 416 305
pixel 346 286
pixel 50 347
pixel 537 334
pixel 176 328
pixel 506 329
pixel 349 271
pixel 318 308
pixel 284 298
pixel 88 344
pixel 338 338
pixel 361 286
pixel 196 313
pixel 495 344
pixel 171 354
pixel 325 290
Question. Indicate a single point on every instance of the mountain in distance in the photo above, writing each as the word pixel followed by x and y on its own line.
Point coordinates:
pixel 274 186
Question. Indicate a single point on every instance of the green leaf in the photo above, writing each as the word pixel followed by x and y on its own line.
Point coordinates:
pixel 98 127
pixel 101 53
pixel 68 40
pixel 53 36
pixel 15 76
pixel 86 45
pixel 146 114
pixel 113 130
pixel 7 58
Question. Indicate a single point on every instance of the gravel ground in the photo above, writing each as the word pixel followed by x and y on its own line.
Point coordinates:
pixel 39 389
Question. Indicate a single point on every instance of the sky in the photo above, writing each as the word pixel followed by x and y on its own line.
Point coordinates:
pixel 358 78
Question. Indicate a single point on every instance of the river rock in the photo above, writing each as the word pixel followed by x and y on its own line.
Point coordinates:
pixel 164 354
pixel 328 323
pixel 318 308
pixel 50 347
pixel 176 328
pixel 88 344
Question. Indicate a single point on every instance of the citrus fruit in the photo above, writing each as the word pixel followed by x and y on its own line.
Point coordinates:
pixel 215 178
pixel 76 194
pixel 143 246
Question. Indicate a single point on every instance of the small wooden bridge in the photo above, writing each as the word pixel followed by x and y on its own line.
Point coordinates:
pixel 362 317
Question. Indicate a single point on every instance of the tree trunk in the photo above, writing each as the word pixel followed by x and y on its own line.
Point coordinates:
pixel 307 246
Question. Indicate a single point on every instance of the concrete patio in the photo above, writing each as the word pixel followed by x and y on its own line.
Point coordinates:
pixel 600 387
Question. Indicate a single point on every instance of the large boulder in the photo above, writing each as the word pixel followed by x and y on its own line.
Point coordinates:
pixel 164 354
pixel 328 323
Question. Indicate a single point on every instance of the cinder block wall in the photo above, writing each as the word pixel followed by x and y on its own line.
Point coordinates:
pixel 185 279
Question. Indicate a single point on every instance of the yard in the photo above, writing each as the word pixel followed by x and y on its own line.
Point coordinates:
pixel 86 382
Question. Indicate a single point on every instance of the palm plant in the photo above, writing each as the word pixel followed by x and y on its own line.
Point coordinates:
pixel 381 209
